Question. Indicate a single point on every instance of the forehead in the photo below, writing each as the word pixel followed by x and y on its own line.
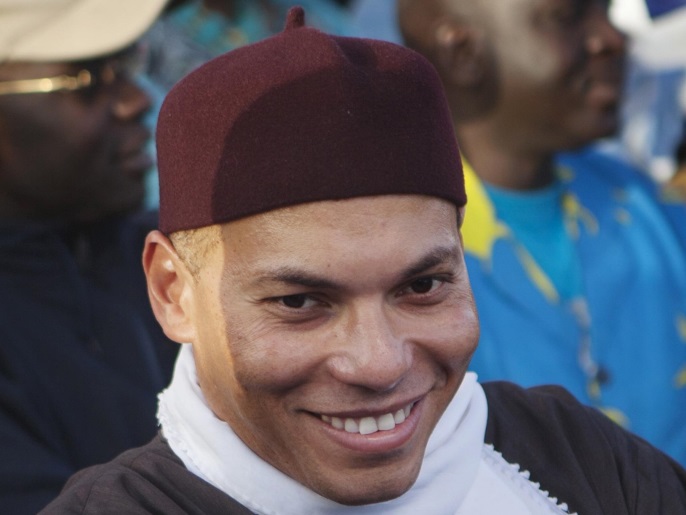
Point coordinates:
pixel 344 215
pixel 332 231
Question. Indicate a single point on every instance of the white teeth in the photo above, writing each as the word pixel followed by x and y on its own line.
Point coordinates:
pixel 385 422
pixel 369 425
pixel 351 426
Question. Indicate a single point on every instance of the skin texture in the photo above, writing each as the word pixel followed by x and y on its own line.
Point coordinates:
pixel 344 308
pixel 71 156
pixel 525 79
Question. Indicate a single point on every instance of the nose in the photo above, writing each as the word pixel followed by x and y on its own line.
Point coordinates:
pixel 132 101
pixel 603 36
pixel 372 355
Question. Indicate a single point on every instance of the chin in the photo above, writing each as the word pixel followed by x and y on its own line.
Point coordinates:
pixel 358 491
pixel 605 126
pixel 377 495
pixel 608 130
pixel 587 129
pixel 582 140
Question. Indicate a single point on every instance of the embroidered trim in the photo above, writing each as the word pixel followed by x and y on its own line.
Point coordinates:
pixel 521 479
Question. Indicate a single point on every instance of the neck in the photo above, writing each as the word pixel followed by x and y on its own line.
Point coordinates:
pixel 504 166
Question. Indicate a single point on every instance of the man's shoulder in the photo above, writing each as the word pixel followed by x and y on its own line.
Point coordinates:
pixel 101 488
pixel 148 479
pixel 597 166
pixel 579 454
pixel 549 410
pixel 553 413
pixel 604 182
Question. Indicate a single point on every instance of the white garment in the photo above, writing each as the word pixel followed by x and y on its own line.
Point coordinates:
pixel 459 474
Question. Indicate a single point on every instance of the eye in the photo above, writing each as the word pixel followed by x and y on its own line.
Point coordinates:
pixel 298 301
pixel 423 285
pixel 423 288
pixel 297 308
pixel 91 91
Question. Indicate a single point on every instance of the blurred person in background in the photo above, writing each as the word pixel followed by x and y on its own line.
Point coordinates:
pixel 81 356
pixel 578 267
pixel 653 107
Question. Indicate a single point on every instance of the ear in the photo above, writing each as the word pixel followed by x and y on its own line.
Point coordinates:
pixel 460 52
pixel 170 288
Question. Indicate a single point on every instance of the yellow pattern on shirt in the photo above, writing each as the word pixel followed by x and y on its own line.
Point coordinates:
pixel 481 229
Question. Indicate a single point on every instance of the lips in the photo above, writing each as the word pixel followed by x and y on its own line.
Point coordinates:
pixel 137 163
pixel 134 155
pixel 603 84
pixel 369 424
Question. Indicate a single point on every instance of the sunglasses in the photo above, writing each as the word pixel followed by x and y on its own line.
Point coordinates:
pixel 93 73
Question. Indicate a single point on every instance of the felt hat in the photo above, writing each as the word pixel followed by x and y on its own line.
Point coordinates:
pixel 69 30
pixel 300 117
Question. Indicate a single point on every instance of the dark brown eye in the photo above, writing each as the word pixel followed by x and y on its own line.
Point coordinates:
pixel 294 301
pixel 422 285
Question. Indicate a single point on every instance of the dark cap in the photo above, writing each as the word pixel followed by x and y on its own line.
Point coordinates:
pixel 302 117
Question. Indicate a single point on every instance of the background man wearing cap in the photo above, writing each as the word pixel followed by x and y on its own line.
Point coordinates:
pixel 310 258
pixel 81 356
pixel 577 265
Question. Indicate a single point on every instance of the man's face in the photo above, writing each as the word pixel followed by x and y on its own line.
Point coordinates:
pixel 560 70
pixel 317 323
pixel 74 155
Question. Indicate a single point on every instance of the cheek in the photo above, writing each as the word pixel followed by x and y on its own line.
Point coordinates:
pixel 70 145
pixel 464 332
pixel 540 63
pixel 268 357
pixel 248 377
pixel 455 333
pixel 61 125
pixel 89 143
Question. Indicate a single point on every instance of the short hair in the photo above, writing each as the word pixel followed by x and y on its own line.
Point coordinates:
pixel 193 245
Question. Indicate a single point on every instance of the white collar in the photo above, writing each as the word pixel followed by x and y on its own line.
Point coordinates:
pixel 455 470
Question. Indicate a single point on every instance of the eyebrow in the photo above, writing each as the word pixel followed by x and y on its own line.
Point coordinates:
pixel 437 256
pixel 297 277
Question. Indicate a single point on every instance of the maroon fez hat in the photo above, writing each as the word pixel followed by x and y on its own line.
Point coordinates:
pixel 301 117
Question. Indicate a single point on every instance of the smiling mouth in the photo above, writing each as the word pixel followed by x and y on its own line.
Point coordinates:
pixel 369 425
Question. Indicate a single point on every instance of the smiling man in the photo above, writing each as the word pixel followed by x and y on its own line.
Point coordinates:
pixel 310 260
pixel 346 344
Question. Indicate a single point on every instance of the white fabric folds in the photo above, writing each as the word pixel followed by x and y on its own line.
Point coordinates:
pixel 459 474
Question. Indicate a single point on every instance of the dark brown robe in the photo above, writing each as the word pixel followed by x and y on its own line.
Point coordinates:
pixel 575 452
